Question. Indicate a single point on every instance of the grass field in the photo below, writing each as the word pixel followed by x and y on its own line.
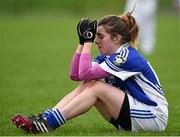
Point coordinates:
pixel 35 53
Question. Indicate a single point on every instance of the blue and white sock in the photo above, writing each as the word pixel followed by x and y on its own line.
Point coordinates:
pixel 55 118
pixel 46 113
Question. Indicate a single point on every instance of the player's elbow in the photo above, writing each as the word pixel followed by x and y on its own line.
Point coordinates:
pixel 85 75
pixel 74 77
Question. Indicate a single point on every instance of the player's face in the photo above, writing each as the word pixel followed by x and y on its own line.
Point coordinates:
pixel 104 41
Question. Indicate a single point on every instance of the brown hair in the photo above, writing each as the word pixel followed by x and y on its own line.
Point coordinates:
pixel 124 25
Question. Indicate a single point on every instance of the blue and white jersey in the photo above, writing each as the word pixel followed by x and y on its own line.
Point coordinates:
pixel 133 74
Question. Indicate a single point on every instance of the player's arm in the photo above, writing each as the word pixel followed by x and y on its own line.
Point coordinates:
pixel 87 71
pixel 81 31
pixel 81 66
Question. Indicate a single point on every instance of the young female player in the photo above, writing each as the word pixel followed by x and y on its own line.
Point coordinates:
pixel 120 83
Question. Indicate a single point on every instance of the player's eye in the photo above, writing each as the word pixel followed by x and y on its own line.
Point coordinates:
pixel 100 36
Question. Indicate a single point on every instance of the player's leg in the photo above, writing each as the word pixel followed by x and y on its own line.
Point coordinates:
pixel 103 109
pixel 111 102
pixel 100 105
pixel 123 121
pixel 68 98
pixel 41 123
pixel 111 96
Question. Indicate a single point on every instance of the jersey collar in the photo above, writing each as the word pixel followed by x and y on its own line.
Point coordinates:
pixel 122 46
pixel 119 49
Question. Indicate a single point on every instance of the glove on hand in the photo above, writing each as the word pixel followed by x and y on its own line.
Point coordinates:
pixel 87 30
pixel 80 31
pixel 90 33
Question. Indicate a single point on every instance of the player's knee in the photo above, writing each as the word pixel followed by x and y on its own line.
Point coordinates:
pixel 97 83
pixel 87 84
pixel 94 87
pixel 91 85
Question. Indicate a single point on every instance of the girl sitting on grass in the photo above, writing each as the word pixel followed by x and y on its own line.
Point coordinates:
pixel 119 82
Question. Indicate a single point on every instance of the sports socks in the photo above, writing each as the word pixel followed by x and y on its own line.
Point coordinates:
pixel 46 113
pixel 55 118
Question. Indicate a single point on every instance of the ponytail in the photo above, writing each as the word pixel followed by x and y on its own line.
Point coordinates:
pixel 124 25
pixel 133 27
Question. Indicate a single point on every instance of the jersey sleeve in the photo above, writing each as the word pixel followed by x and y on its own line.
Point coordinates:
pixel 124 64
pixel 74 67
pixel 89 70
pixel 99 59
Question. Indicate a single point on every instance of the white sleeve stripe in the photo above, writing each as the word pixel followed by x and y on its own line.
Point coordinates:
pixel 154 85
pixel 158 87
pixel 144 80
pixel 112 66
pixel 127 52
pixel 149 83
pixel 154 72
pixel 120 74
pixel 124 52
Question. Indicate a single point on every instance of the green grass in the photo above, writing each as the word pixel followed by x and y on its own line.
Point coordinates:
pixel 35 54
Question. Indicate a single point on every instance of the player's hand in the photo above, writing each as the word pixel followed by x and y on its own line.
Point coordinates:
pixel 81 29
pixel 87 30
pixel 90 34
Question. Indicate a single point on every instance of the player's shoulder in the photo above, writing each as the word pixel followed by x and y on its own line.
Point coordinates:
pixel 127 58
pixel 133 53
pixel 123 54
